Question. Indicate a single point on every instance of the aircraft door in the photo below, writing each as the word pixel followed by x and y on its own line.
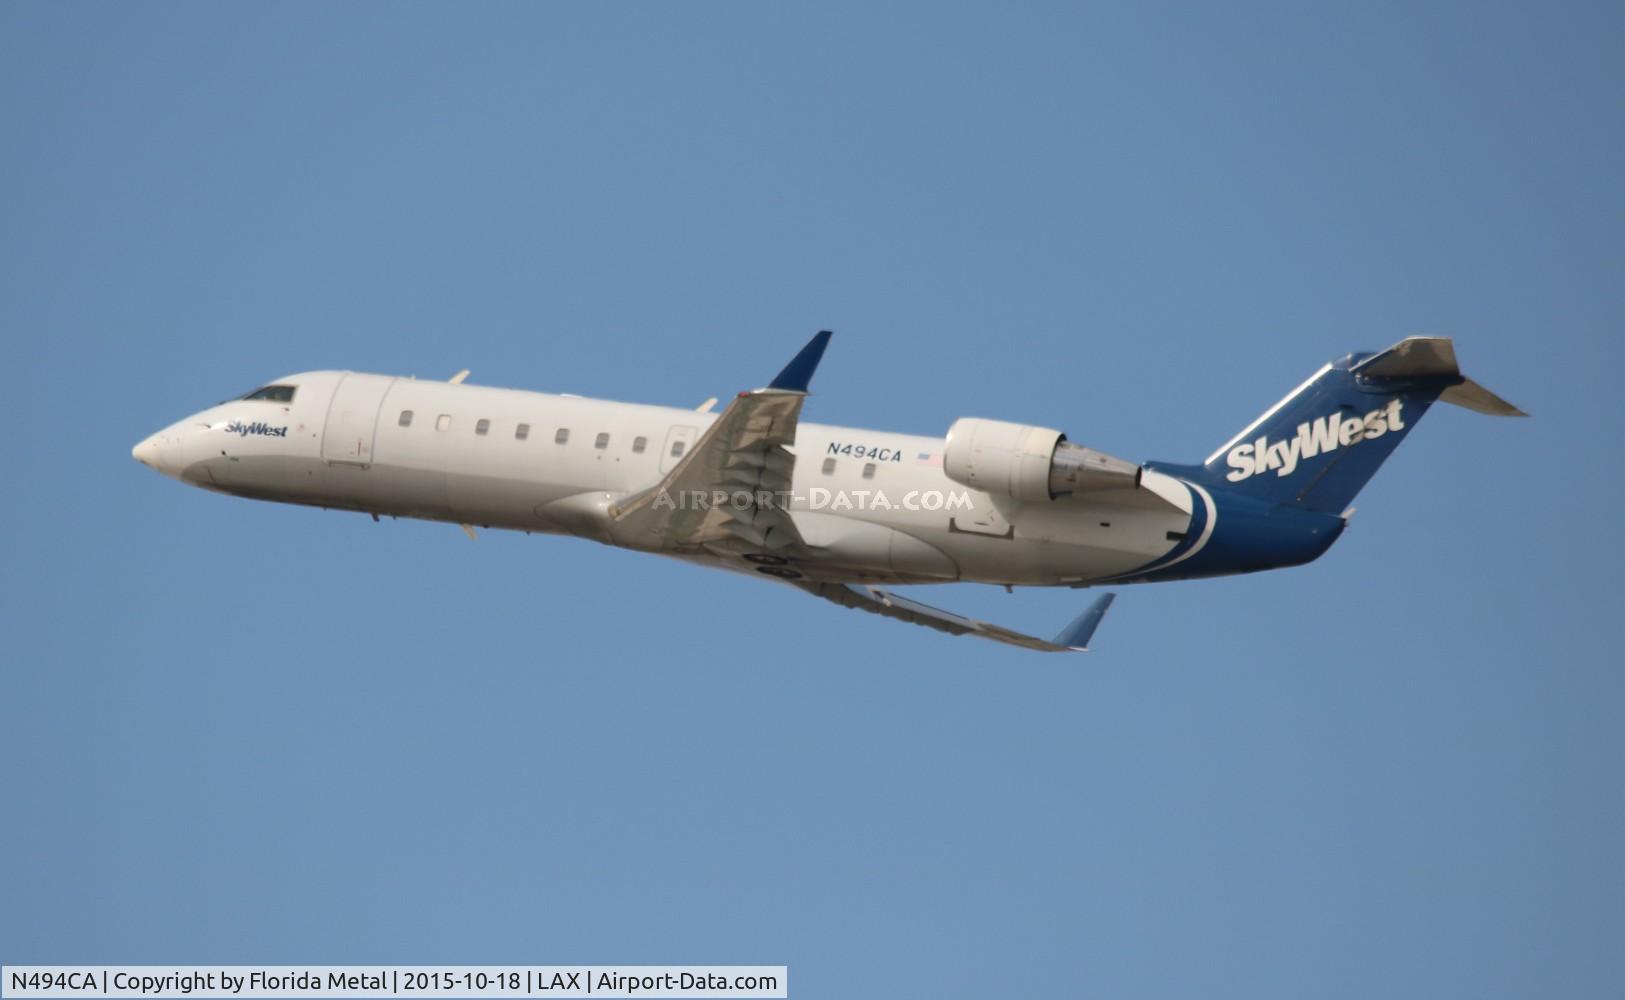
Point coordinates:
pixel 678 441
pixel 352 419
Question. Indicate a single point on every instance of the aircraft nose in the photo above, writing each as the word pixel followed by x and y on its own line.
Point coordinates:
pixel 146 452
pixel 161 453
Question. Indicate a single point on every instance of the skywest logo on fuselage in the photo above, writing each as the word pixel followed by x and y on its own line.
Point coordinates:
pixel 241 429
pixel 1316 437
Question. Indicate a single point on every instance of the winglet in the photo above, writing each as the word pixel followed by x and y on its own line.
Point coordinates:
pixel 1077 635
pixel 797 375
pixel 1073 639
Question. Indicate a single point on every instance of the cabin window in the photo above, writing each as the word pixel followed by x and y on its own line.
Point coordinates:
pixel 406 418
pixel 601 441
pixel 483 427
pixel 829 466
pixel 677 448
pixel 868 470
pixel 639 444
pixel 563 436
pixel 273 394
pixel 443 422
pixel 522 431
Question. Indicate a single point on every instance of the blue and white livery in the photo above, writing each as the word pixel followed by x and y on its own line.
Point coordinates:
pixel 837 512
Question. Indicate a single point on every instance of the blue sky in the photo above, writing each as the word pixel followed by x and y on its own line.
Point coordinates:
pixel 237 732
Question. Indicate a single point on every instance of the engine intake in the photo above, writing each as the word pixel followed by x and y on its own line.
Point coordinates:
pixel 1034 464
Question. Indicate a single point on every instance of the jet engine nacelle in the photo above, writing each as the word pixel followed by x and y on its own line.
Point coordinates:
pixel 1034 464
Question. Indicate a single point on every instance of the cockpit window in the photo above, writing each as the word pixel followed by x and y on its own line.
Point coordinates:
pixel 274 393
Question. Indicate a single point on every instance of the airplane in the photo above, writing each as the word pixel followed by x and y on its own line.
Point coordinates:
pixel 834 511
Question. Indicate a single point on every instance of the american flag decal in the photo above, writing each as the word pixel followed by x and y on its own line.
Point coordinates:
pixel 928 458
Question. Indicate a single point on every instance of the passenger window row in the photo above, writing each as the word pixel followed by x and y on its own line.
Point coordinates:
pixel 482 427
pixel 868 468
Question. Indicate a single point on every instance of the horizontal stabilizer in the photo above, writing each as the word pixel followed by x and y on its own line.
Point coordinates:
pixel 1413 357
pixel 1435 358
pixel 1472 396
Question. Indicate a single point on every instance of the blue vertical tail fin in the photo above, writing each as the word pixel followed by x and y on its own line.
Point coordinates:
pixel 1316 448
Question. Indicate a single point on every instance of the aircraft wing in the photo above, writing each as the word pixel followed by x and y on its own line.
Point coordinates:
pixel 728 494
pixel 1072 639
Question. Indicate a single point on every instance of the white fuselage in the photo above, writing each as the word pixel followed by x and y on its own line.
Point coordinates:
pixel 876 505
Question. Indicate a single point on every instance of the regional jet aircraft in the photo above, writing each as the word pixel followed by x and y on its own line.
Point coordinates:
pixel 831 510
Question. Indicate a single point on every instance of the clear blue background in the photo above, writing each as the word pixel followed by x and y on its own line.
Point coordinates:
pixel 238 732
